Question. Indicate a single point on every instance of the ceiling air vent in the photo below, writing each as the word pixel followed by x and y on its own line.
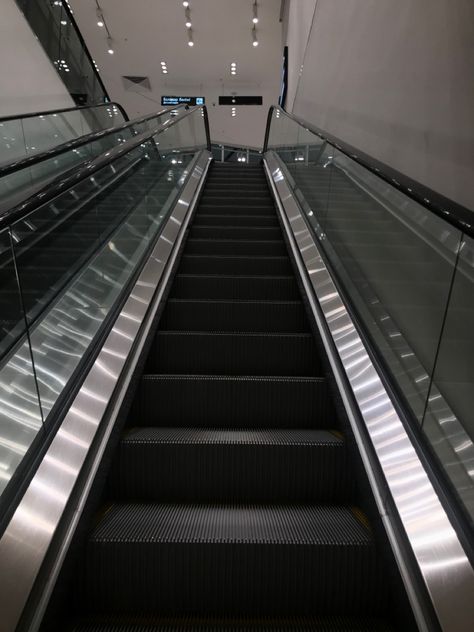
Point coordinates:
pixel 131 82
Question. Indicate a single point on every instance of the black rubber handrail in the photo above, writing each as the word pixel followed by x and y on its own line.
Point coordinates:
pixel 63 148
pixel 455 214
pixel 13 117
pixel 87 168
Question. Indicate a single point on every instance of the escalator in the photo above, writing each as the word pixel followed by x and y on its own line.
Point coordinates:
pixel 232 500
pixel 205 436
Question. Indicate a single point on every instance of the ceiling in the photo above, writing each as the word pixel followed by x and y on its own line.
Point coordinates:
pixel 146 32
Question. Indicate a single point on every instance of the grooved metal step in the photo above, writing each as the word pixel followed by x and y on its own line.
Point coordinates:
pixel 242 287
pixel 257 233
pixel 272 248
pixel 203 219
pixel 228 559
pixel 235 265
pixel 234 315
pixel 233 354
pixel 193 624
pixel 166 464
pixel 233 401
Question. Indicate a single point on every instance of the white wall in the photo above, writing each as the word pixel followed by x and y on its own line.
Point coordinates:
pixel 394 79
pixel 28 81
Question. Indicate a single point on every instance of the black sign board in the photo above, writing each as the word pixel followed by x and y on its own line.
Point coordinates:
pixel 169 101
pixel 240 100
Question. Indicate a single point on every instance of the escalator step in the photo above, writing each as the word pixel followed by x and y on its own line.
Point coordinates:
pixel 228 559
pixel 233 354
pixel 227 315
pixel 202 219
pixel 235 265
pixel 191 624
pixel 258 233
pixel 264 201
pixel 271 248
pixel 283 288
pixel 227 208
pixel 233 401
pixel 166 465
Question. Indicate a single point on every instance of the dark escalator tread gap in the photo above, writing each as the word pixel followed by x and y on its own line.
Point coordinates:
pixel 285 560
pixel 253 465
pixel 235 315
pixel 230 401
pixel 208 624
pixel 244 287
pixel 235 353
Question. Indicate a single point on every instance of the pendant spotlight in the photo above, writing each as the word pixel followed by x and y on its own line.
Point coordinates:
pixel 255 13
pixel 254 37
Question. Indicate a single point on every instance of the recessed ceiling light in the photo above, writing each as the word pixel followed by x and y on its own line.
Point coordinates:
pixel 190 43
pixel 165 72
pixel 100 23
pixel 188 25
pixel 255 43
pixel 110 51
pixel 185 4
pixel 63 22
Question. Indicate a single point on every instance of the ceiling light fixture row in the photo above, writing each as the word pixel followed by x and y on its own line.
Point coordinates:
pixel 234 111
pixel 189 24
pixel 102 24
pixel 164 68
pixel 233 68
pixel 255 22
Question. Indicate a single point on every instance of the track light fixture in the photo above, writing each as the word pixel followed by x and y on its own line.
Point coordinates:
pixel 101 23
pixel 254 36
pixel 188 23
pixel 255 13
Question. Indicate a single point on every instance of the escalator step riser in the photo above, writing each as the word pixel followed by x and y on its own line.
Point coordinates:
pixel 233 402
pixel 234 354
pixel 273 248
pixel 231 232
pixel 251 316
pixel 199 264
pixel 235 287
pixel 247 221
pixel 196 576
pixel 172 471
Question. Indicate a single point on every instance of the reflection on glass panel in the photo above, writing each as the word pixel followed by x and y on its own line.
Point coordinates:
pixel 12 141
pixel 20 415
pixel 26 136
pixel 75 256
pixel 54 26
pixel 84 263
pixel 15 186
pixel 449 422
pixel 394 258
